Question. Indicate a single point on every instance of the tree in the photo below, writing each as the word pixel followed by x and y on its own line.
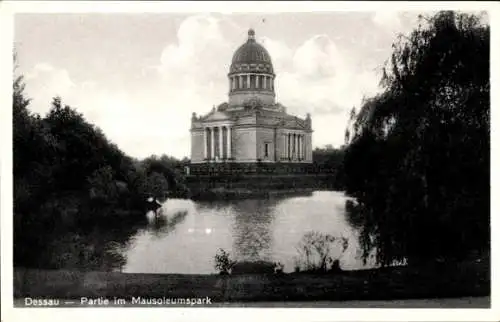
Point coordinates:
pixel 102 186
pixel 157 185
pixel 223 262
pixel 418 155
pixel 67 171
pixel 330 160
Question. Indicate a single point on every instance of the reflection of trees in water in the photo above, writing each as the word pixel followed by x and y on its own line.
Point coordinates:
pixel 97 247
pixel 212 205
pixel 252 228
pixel 274 198
pixel 162 225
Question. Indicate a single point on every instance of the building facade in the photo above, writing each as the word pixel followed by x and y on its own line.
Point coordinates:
pixel 251 126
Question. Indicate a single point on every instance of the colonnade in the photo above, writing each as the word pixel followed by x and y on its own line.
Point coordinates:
pixel 251 81
pixel 294 146
pixel 219 150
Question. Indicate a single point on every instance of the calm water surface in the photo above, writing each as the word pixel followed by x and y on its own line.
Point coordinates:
pixel 266 229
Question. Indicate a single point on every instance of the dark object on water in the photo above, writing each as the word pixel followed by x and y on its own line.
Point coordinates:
pixel 278 268
pixel 152 204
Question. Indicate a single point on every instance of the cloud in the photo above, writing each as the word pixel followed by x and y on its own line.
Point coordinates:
pixel 153 118
pixel 281 54
pixel 48 82
pixel 389 21
pixel 197 56
pixel 317 58
pixel 113 111
pixel 324 81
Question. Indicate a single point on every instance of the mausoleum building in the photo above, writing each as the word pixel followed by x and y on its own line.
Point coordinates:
pixel 251 126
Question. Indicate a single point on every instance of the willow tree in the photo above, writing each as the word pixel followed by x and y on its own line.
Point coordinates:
pixel 418 155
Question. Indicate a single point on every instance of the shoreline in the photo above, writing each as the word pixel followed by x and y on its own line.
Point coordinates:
pixel 243 193
pixel 464 279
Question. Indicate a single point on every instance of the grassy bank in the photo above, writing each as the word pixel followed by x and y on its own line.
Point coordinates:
pixel 471 278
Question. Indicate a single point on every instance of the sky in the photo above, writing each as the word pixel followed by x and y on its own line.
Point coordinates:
pixel 140 76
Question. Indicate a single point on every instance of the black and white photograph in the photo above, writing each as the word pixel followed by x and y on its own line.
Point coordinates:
pixel 248 155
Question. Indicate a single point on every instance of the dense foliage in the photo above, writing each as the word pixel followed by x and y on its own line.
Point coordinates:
pixel 418 159
pixel 330 160
pixel 67 172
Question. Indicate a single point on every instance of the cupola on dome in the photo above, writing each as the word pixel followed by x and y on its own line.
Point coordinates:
pixel 251 56
pixel 251 75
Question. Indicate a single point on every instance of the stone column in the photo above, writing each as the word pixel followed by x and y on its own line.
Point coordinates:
pixel 302 146
pixel 257 81
pixel 228 145
pixel 298 146
pixel 264 78
pixel 283 147
pixel 299 150
pixel 240 81
pixel 248 80
pixel 304 143
pixel 205 142
pixel 289 146
pixel 212 142
pixel 305 147
pixel 286 146
pixel 220 143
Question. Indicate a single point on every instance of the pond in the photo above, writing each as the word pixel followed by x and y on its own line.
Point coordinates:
pixel 188 234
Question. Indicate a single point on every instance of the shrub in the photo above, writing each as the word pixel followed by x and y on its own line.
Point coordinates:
pixel 223 263
pixel 316 252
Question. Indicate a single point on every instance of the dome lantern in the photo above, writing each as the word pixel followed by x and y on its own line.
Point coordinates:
pixel 251 34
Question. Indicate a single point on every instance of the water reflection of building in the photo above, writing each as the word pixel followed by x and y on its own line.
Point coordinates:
pixel 251 126
pixel 253 233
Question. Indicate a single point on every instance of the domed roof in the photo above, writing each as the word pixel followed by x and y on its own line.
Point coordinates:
pixel 251 57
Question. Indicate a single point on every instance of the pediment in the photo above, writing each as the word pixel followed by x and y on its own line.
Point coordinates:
pixel 295 123
pixel 216 116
